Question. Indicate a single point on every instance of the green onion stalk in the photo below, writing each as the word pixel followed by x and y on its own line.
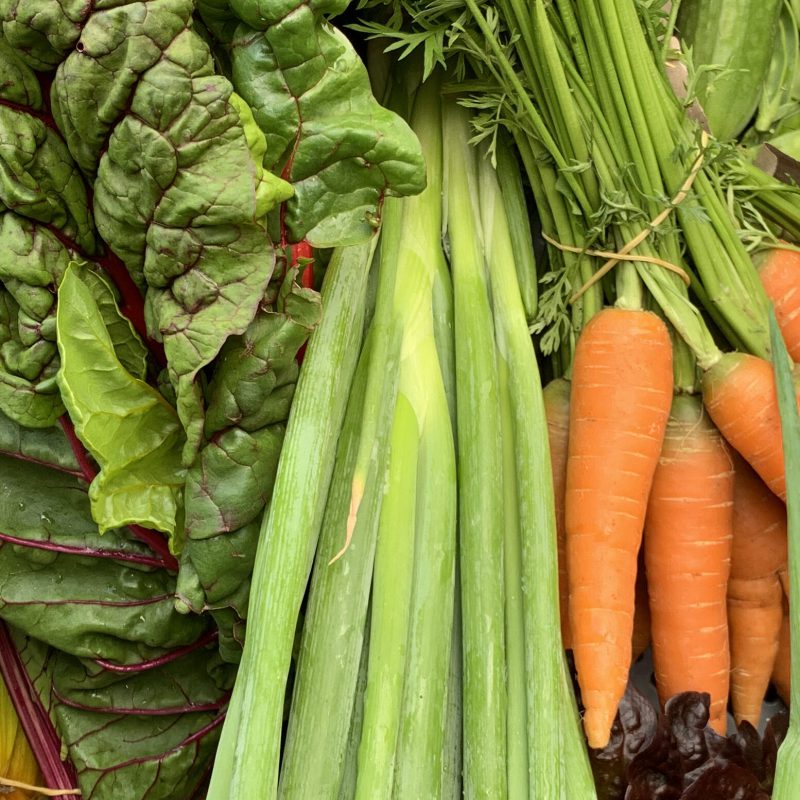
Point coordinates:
pixel 333 644
pixel 246 764
pixel 787 768
pixel 522 735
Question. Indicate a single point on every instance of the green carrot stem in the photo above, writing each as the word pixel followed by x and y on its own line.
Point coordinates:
pixel 787 769
pixel 519 223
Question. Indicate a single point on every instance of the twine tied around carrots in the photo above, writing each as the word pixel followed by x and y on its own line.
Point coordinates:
pixel 612 259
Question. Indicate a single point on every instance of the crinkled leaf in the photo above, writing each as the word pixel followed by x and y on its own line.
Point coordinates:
pixel 118 607
pixel 163 723
pixel 328 136
pixel 179 187
pixel 132 432
pixel 128 347
pixel 231 481
pixel 20 85
pixel 633 729
pixel 38 177
pixel 41 32
pixel 248 402
pixel 215 572
pixel 46 446
pixel 231 629
pixel 32 261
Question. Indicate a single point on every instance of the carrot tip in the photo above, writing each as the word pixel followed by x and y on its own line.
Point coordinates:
pixel 597 724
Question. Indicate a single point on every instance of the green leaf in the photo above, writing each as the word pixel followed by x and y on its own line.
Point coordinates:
pixel 163 722
pixel 46 446
pixel 20 84
pixel 90 595
pixel 128 347
pixel 41 32
pixel 232 479
pixel 38 177
pixel 328 136
pixel 215 572
pixel 32 261
pixel 132 432
pixel 179 186
pixel 160 755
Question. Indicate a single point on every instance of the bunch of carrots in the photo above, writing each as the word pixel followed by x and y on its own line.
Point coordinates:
pixel 632 462
pixel 667 455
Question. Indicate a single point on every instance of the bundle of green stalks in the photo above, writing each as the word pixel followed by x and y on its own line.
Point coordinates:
pixel 430 662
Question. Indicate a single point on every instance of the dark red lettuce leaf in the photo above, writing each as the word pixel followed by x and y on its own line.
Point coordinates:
pixel 633 730
pixel 686 760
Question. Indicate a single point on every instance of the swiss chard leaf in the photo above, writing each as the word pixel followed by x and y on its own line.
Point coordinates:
pixel 215 571
pixel 231 481
pixel 132 432
pixel 128 347
pixel 46 446
pixel 328 136
pixel 164 722
pixel 95 597
pixel 179 186
pixel 32 261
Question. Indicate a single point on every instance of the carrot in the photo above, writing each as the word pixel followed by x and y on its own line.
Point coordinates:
pixel 687 546
pixel 556 407
pixel 755 595
pixel 739 393
pixel 641 614
pixel 781 671
pixel 621 393
pixel 779 271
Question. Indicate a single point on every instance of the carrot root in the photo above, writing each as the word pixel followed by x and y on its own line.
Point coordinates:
pixel 739 393
pixel 779 272
pixel 620 400
pixel 688 538
pixel 556 407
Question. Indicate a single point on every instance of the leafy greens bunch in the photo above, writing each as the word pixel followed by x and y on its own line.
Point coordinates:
pixel 164 166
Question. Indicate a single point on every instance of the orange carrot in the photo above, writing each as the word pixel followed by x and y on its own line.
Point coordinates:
pixel 739 393
pixel 755 594
pixel 641 615
pixel 556 407
pixel 687 548
pixel 621 394
pixel 781 671
pixel 779 271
